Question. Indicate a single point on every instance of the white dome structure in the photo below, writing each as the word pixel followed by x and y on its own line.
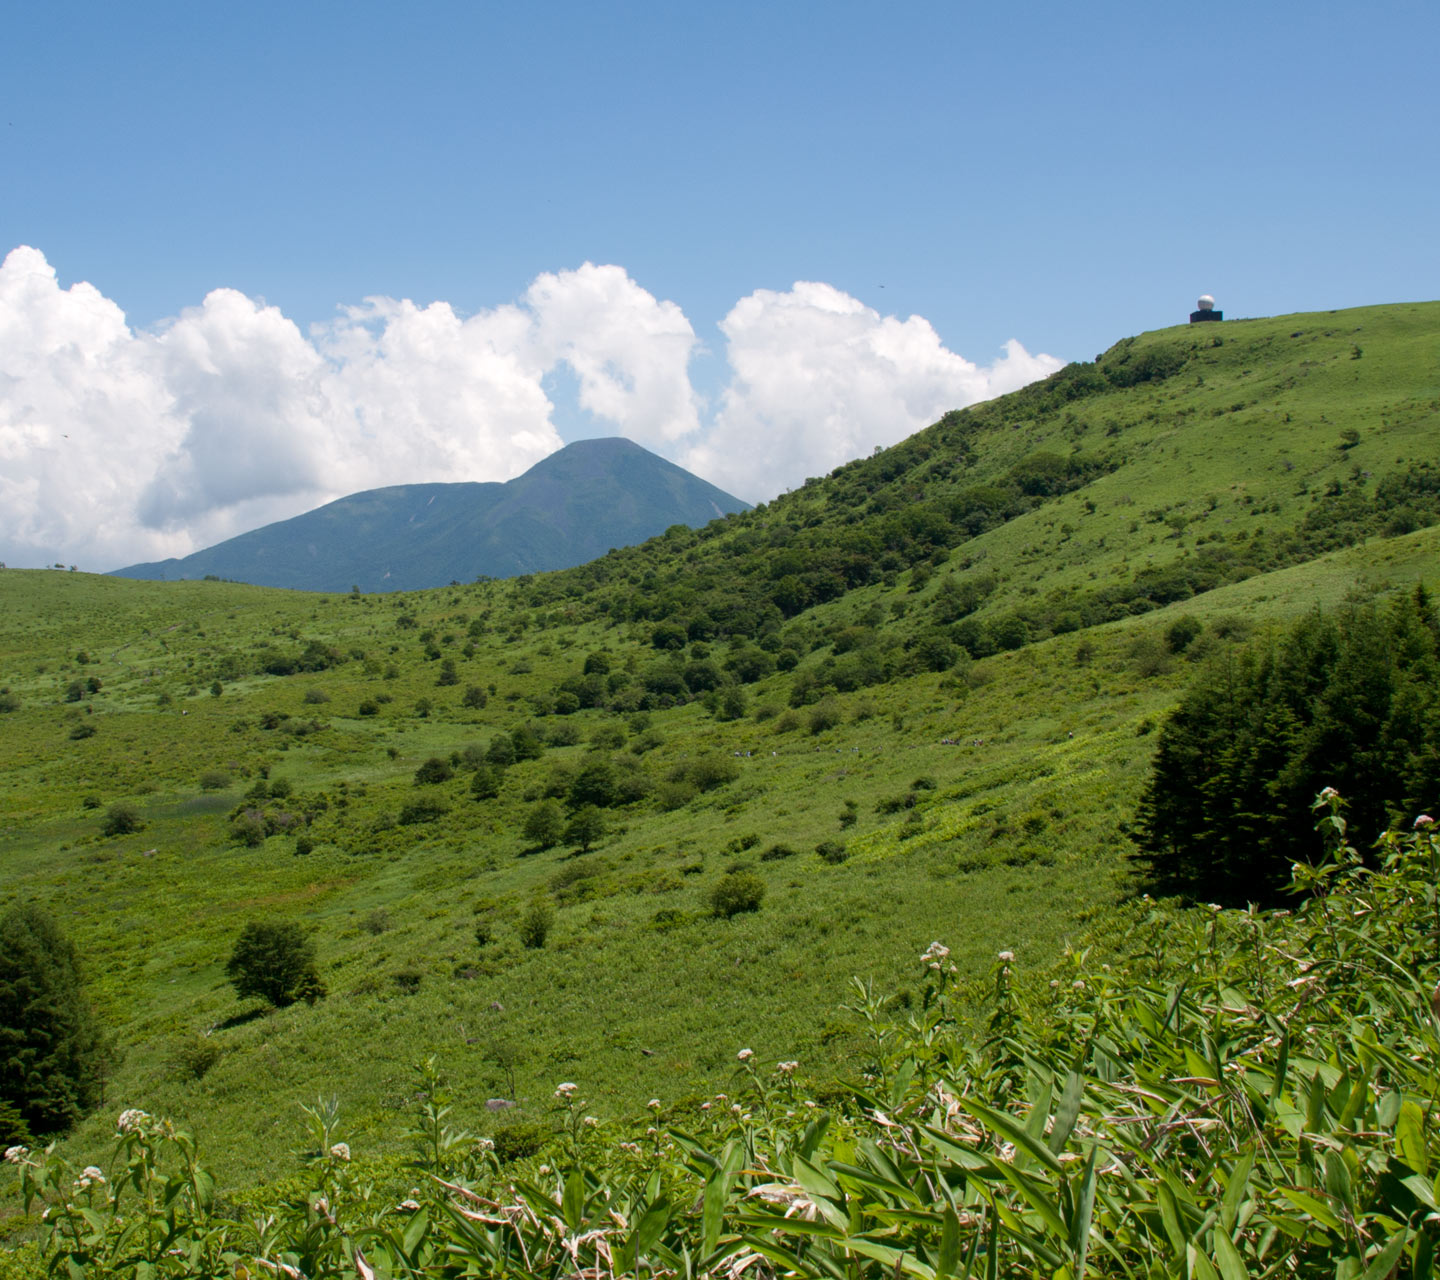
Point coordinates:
pixel 1206 303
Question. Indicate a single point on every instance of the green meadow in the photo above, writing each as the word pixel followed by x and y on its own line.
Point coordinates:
pixel 917 698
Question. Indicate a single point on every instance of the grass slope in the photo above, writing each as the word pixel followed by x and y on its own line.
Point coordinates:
pixel 980 792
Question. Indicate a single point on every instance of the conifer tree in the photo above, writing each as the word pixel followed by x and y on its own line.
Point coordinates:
pixel 1350 701
pixel 51 1051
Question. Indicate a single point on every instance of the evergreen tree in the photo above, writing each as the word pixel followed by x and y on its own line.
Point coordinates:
pixel 51 1051
pixel 1350 702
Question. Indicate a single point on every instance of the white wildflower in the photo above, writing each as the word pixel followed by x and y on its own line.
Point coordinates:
pixel 786 1068
pixel 934 952
pixel 591 1122
pixel 15 1154
pixel 1006 957
pixel 1329 793
pixel 564 1091
pixel 131 1121
pixel 654 1104
pixel 409 1206
pixel 94 1174
pixel 1424 821
pixel 484 1144
pixel 745 1055
pixel 340 1151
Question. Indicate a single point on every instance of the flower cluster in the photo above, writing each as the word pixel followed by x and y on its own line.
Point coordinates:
pixel 131 1121
pixel 16 1154
pixel 565 1091
pixel 90 1176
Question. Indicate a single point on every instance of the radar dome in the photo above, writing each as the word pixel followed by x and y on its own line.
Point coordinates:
pixel 1206 303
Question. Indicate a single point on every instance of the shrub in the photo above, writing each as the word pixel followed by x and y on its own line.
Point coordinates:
pixel 368 708
pixel 8 700
pixel 485 785
pixel 736 892
pixel 434 770
pixel 274 961
pixel 316 696
pixel 121 820
pixel 408 979
pixel 544 825
pixel 536 923
pixel 1181 632
pixel 473 697
pixel 776 852
pixel 586 827
pixel 422 811
pixel 214 780
pixel 831 851
pixel 249 828
pixel 520 1141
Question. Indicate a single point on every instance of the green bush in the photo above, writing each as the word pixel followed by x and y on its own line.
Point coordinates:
pixel 536 923
pixel 544 825
pixel 121 820
pixel 422 811
pixel 520 1141
pixel 736 892
pixel 274 961
pixel 434 770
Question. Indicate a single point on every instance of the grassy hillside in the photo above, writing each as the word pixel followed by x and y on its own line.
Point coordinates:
pixel 939 666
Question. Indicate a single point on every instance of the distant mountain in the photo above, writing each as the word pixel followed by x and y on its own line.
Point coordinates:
pixel 571 507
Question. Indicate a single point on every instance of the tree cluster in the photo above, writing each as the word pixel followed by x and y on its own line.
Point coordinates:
pixel 1350 701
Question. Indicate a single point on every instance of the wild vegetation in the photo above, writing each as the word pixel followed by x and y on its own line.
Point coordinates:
pixel 607 827
pixel 1210 1104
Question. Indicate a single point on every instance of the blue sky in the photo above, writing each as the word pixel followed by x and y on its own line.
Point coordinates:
pixel 1058 175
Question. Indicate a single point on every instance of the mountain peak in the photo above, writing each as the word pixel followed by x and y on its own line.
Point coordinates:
pixel 570 507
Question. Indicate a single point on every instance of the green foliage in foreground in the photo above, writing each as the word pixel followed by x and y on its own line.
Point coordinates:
pixel 1241 1093
pixel 1350 700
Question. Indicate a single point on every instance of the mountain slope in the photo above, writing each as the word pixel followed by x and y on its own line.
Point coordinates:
pixel 569 508
pixel 916 699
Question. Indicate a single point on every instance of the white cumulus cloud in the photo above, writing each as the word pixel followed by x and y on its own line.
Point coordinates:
pixel 120 445
pixel 818 378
